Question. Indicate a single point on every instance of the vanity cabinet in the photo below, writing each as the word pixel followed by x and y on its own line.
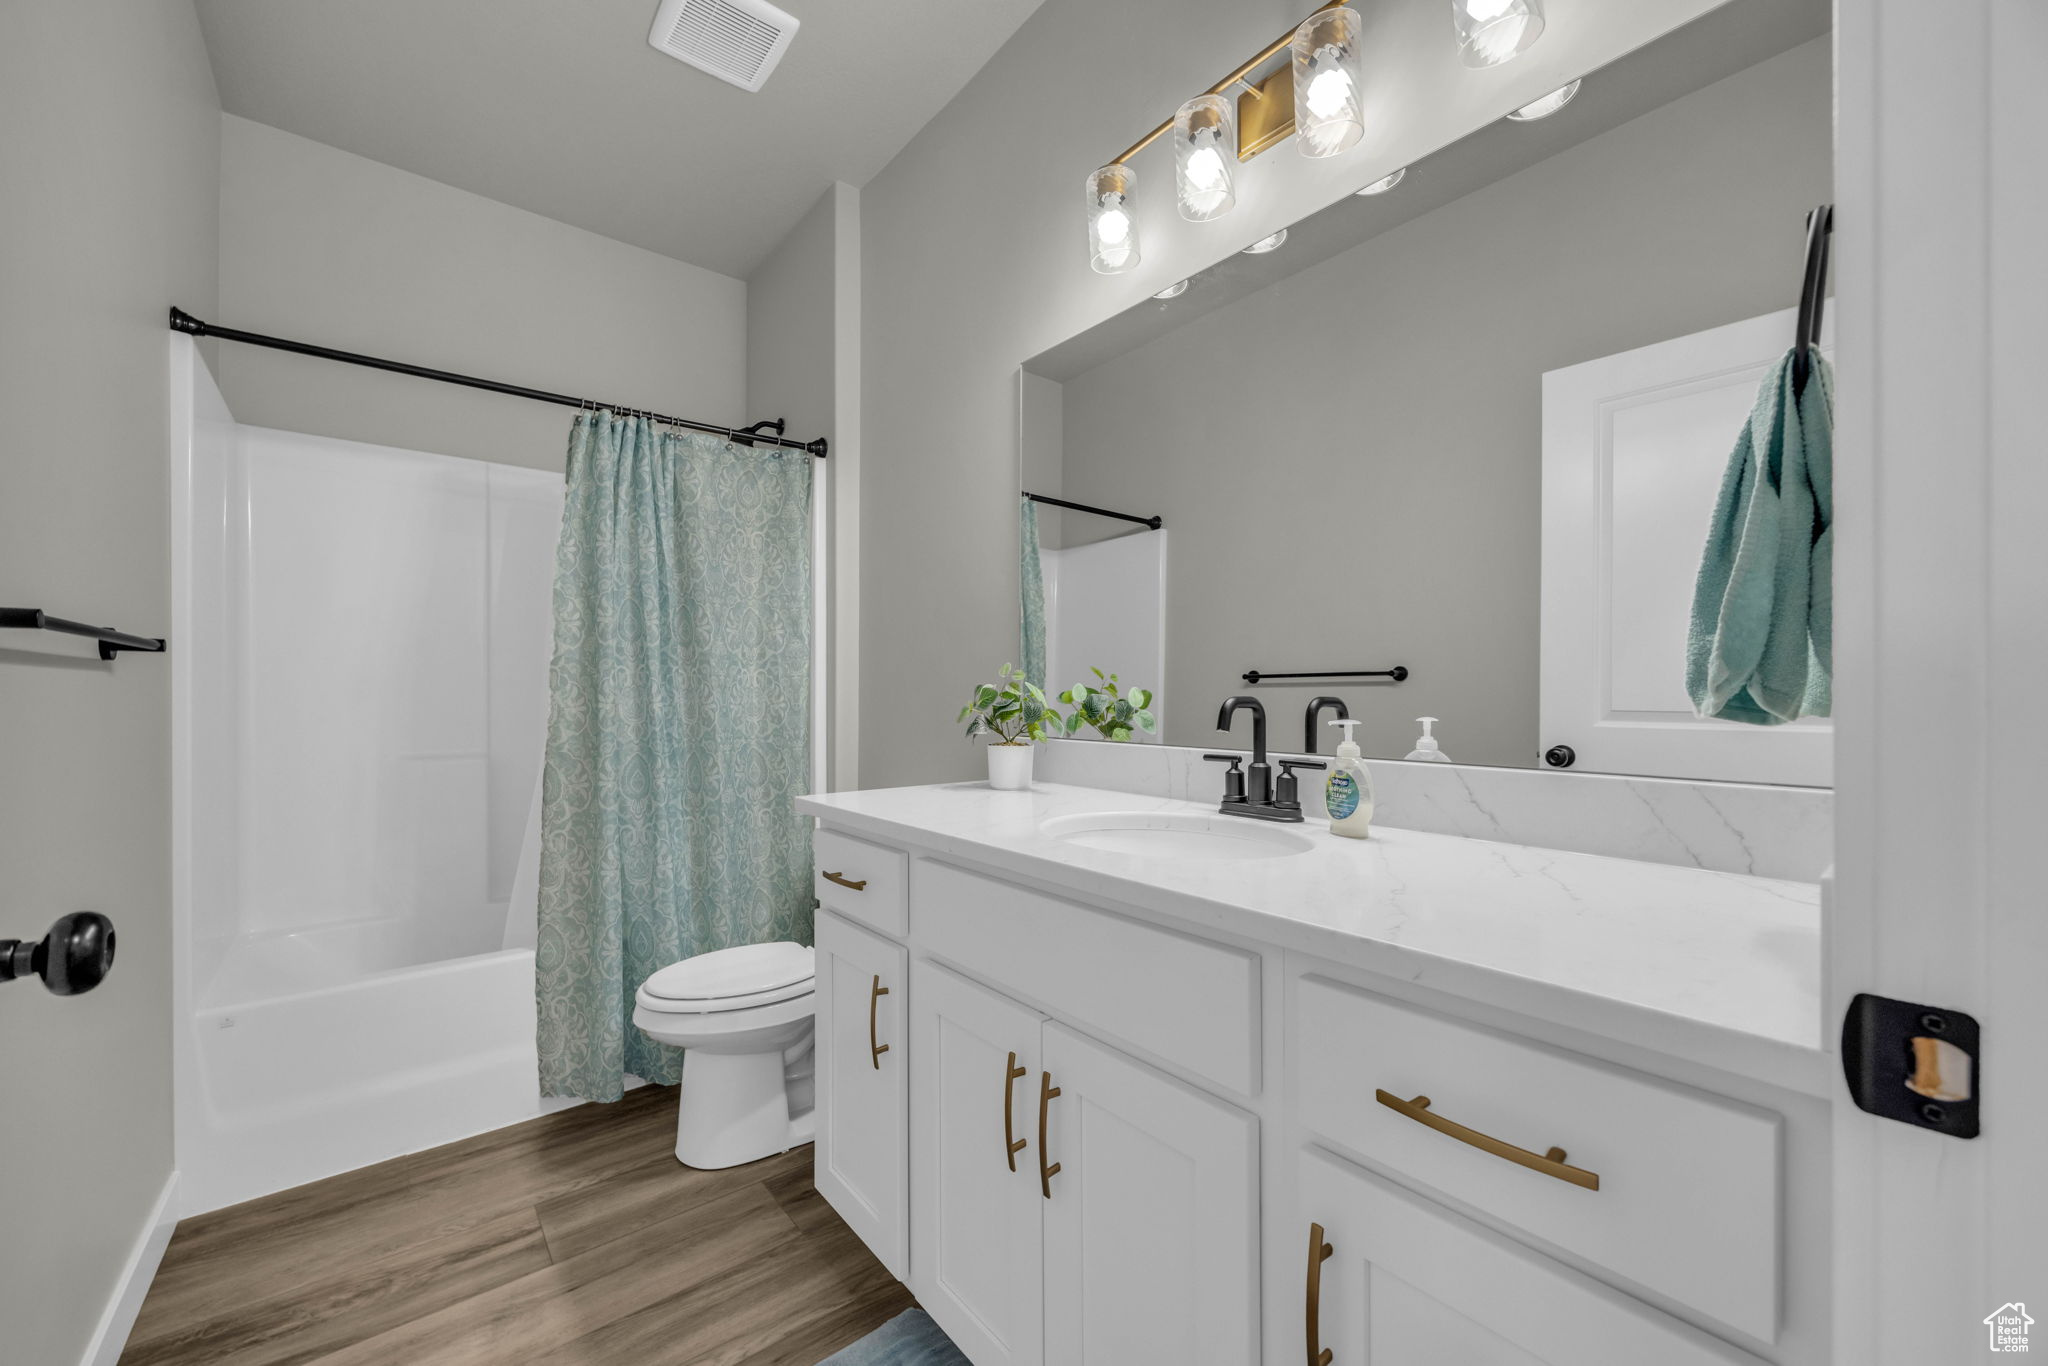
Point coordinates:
pixel 862 1154
pixel 1072 1204
pixel 1083 1134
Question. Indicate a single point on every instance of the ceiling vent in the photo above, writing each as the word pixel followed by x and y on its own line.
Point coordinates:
pixel 735 40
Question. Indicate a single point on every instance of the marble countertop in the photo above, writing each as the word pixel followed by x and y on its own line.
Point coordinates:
pixel 1717 968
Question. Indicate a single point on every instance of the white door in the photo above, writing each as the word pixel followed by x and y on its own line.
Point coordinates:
pixel 1151 1242
pixel 863 1157
pixel 1634 447
pixel 976 1266
pixel 1408 1283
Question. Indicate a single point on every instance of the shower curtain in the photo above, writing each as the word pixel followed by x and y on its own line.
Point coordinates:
pixel 678 731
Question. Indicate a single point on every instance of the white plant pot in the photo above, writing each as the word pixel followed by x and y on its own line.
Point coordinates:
pixel 1009 767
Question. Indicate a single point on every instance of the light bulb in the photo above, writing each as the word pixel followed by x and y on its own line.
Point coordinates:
pixel 1330 91
pixel 1545 107
pixel 1494 31
pixel 1205 168
pixel 1114 227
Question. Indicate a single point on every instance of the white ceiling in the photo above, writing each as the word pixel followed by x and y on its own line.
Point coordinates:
pixel 561 107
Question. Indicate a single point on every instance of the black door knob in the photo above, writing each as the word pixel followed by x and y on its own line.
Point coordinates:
pixel 1560 756
pixel 74 957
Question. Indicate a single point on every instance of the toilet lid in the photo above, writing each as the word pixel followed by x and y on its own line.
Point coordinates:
pixel 755 971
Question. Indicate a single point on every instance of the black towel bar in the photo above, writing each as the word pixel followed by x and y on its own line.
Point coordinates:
pixel 1397 673
pixel 112 642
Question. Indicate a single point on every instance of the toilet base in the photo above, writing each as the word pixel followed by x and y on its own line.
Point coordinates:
pixel 741 1107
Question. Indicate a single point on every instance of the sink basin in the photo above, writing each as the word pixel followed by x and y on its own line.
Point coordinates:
pixel 1174 835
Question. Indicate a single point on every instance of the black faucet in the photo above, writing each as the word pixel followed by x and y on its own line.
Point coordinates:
pixel 1256 798
pixel 1308 720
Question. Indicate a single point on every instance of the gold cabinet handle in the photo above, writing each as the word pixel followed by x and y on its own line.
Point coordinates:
pixel 1550 1163
pixel 1012 1144
pixel 875 1050
pixel 844 881
pixel 1046 1091
pixel 1318 1253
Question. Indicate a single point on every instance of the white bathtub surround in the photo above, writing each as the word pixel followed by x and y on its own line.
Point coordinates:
pixel 1718 967
pixel 1780 832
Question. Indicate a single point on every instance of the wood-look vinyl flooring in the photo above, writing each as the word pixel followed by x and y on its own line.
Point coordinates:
pixel 576 1239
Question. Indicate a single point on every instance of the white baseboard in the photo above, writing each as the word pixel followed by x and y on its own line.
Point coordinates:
pixel 118 1318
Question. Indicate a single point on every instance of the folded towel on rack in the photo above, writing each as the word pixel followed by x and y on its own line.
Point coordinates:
pixel 1761 646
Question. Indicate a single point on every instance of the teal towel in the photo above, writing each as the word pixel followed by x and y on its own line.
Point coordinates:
pixel 1761 647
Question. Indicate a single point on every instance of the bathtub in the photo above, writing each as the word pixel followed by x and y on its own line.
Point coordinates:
pixel 323 1079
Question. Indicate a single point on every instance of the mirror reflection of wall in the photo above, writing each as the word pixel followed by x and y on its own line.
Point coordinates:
pixel 1351 458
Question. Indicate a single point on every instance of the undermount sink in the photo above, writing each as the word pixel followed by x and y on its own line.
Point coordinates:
pixel 1172 835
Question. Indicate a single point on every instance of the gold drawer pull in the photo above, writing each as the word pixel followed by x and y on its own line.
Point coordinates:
pixel 876 1050
pixel 844 881
pixel 1550 1163
pixel 1318 1253
pixel 1011 1144
pixel 1046 1091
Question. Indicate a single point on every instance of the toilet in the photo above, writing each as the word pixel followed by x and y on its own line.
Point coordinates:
pixel 742 1017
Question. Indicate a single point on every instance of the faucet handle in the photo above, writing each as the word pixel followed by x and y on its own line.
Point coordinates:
pixel 1233 777
pixel 1286 788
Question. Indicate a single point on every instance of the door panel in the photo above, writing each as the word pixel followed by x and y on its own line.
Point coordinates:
pixel 1409 1283
pixel 1151 1244
pixel 977 1267
pixel 862 1158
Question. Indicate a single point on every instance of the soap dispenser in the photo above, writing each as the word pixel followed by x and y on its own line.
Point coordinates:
pixel 1347 792
pixel 1426 748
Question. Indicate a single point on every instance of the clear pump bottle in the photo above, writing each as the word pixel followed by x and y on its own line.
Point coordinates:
pixel 1426 750
pixel 1347 791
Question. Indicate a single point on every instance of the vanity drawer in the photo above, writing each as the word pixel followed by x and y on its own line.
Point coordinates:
pixel 862 881
pixel 1687 1199
pixel 1193 1003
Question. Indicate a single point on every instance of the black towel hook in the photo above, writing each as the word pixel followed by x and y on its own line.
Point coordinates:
pixel 73 958
pixel 1813 289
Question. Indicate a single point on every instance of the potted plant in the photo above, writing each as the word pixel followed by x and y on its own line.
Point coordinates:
pixel 1015 711
pixel 1114 714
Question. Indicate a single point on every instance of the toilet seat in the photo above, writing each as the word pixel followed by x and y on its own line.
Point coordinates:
pixel 745 977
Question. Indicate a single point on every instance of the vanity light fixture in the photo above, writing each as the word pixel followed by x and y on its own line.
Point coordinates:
pixel 1173 291
pixel 1494 31
pixel 1328 71
pixel 1385 183
pixel 1266 244
pixel 1545 107
pixel 1204 146
pixel 1112 231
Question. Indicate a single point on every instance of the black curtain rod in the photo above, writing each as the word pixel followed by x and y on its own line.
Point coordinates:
pixel 1154 522
pixel 112 642
pixel 181 321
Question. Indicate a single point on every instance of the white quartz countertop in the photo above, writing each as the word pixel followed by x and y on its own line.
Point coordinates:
pixel 1719 968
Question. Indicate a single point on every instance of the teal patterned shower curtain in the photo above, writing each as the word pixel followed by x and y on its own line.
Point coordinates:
pixel 1031 609
pixel 678 731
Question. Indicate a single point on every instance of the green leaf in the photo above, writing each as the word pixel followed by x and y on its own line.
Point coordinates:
pixel 1124 709
pixel 1073 722
pixel 1146 722
pixel 1120 733
pixel 1140 698
pixel 1097 672
pixel 985 696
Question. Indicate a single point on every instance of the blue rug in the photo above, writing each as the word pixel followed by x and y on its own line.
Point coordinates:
pixel 909 1339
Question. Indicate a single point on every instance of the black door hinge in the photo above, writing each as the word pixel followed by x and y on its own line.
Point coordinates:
pixel 1916 1064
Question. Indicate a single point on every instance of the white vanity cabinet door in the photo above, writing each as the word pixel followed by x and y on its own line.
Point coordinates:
pixel 1151 1228
pixel 976 1263
pixel 1409 1283
pixel 862 1157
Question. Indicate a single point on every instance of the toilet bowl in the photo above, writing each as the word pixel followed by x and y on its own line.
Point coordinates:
pixel 742 1017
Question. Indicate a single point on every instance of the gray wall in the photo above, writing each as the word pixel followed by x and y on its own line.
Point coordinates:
pixel 1409 373
pixel 324 246
pixel 974 259
pixel 803 321
pixel 109 161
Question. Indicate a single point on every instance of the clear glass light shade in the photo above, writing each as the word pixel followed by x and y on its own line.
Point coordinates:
pixel 1494 31
pixel 1548 105
pixel 1205 157
pixel 1173 291
pixel 1329 113
pixel 1112 227
pixel 1266 244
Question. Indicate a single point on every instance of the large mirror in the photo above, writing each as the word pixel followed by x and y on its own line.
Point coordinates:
pixel 1473 428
